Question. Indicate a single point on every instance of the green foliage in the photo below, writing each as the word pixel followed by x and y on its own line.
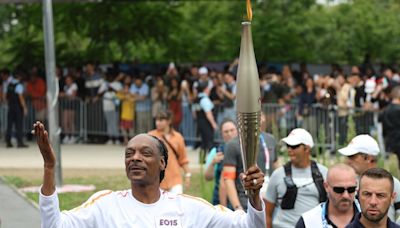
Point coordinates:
pixel 196 31
pixel 351 128
pixel 337 146
pixel 390 164
pixel 322 142
pixel 16 181
pixel 206 188
pixel 274 129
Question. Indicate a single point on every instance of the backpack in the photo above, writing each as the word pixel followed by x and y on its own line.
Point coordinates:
pixel 290 196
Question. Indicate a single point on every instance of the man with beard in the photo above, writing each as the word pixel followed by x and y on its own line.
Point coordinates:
pixel 375 196
pixel 362 154
pixel 340 208
pixel 144 204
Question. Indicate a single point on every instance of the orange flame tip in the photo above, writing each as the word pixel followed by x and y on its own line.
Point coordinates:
pixel 249 11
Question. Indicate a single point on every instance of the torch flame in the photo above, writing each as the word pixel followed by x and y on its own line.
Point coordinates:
pixel 249 11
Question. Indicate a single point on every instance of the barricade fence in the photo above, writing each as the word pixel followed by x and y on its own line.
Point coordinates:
pixel 330 127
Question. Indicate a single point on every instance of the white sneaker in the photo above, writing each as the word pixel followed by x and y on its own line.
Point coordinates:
pixel 109 142
pixel 66 140
pixel 72 140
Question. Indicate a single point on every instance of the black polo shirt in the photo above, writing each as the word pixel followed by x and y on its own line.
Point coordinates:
pixel 357 224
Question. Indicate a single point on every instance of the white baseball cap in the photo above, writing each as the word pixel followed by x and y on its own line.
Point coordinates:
pixel 299 136
pixel 370 85
pixel 203 70
pixel 361 144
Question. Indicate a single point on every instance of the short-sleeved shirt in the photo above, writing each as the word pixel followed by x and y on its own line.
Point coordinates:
pixel 205 102
pixel 19 88
pixel 143 90
pixel 307 194
pixel 233 157
pixel 177 157
pixel 14 90
pixel 109 97
pixel 71 89
pixel 92 84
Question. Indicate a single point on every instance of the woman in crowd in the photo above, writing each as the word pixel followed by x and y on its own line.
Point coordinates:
pixel 69 103
pixel 174 102
pixel 127 116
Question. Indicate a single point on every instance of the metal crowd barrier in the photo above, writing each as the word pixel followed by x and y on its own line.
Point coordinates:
pixel 328 128
pixel 3 119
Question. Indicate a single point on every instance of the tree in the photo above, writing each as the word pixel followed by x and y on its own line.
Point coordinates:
pixel 198 31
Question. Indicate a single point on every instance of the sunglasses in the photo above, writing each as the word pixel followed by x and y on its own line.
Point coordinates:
pixel 293 147
pixel 352 157
pixel 340 190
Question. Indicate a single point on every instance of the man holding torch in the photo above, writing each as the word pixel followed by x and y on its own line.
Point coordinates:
pixel 144 204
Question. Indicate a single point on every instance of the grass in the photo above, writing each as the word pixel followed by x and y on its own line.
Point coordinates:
pixel 68 201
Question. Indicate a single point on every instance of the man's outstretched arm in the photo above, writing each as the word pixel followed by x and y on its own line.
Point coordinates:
pixel 42 139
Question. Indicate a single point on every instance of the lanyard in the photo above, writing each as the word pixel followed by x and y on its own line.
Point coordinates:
pixel 264 145
pixel 323 212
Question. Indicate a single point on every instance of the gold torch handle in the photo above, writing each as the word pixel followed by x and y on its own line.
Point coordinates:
pixel 249 135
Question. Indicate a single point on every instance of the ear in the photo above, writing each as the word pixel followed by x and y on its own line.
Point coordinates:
pixel 162 163
pixel 308 149
pixel 393 198
pixel 326 186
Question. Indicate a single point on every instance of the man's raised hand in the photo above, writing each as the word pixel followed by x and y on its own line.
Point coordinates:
pixel 42 140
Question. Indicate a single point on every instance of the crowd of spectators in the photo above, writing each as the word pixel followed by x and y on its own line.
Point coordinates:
pixel 131 97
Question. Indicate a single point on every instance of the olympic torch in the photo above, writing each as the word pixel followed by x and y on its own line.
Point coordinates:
pixel 248 101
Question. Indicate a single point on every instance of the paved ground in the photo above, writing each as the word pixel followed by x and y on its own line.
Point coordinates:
pixel 16 211
pixel 73 156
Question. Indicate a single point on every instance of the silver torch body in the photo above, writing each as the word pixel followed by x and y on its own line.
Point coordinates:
pixel 248 99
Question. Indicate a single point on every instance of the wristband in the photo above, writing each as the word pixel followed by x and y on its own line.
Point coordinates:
pixel 229 175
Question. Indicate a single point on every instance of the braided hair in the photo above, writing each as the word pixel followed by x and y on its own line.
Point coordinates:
pixel 164 152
